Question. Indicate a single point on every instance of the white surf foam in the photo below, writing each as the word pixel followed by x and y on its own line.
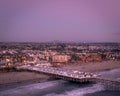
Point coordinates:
pixel 113 74
pixel 21 91
pixel 80 91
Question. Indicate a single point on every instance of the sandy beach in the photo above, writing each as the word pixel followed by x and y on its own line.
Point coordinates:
pixel 13 79
pixel 93 66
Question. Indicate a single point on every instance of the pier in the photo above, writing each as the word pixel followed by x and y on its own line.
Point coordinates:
pixel 73 75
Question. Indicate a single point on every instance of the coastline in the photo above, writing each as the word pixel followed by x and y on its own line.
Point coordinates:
pixel 21 83
pixel 14 79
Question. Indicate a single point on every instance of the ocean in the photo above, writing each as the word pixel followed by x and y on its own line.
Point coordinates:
pixel 65 88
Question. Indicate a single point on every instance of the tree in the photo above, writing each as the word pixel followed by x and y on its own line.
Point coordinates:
pixel 74 57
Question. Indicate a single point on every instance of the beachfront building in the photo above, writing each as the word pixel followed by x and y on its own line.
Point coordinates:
pixel 90 57
pixel 60 58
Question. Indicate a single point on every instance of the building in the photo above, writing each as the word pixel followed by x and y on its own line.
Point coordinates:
pixel 60 58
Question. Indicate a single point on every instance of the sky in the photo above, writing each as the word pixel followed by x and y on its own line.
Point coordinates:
pixel 63 20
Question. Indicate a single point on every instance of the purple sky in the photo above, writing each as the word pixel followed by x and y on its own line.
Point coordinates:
pixel 64 20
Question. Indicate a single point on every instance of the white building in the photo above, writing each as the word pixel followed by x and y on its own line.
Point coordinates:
pixel 60 58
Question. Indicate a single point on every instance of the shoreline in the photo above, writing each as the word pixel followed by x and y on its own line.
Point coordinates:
pixel 15 79
pixel 22 83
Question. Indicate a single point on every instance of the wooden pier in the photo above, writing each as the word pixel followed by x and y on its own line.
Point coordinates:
pixel 74 75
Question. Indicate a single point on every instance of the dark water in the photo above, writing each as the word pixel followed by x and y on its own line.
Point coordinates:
pixel 64 88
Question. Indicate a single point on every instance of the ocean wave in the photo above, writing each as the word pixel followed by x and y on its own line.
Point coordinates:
pixel 80 91
pixel 112 74
pixel 32 88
